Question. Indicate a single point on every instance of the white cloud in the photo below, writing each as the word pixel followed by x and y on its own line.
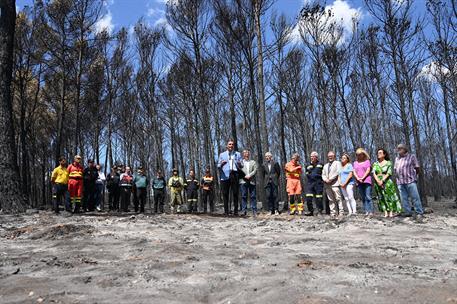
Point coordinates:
pixel 168 2
pixel 104 24
pixel 155 12
pixel 342 14
pixel 162 22
pixel 345 14
pixel 432 71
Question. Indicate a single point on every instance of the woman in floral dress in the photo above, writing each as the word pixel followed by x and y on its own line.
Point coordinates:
pixel 384 186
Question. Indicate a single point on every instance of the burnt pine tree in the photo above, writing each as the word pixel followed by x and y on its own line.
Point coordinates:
pixel 12 199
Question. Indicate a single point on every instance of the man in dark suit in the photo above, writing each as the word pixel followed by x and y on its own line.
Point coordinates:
pixel 271 173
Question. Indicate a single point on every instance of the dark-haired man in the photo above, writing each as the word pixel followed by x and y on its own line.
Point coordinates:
pixel 229 165
pixel 159 185
pixel 59 180
pixel 90 177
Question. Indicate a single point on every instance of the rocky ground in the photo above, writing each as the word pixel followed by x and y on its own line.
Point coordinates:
pixel 101 258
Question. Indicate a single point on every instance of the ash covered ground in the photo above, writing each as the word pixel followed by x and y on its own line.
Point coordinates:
pixel 106 258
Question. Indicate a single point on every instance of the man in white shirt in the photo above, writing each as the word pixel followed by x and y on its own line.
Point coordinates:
pixel 330 175
pixel 247 183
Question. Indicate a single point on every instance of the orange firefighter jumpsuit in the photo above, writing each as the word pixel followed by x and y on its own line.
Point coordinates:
pixel 75 183
pixel 293 173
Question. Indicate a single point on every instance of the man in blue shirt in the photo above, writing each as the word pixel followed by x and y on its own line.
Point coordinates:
pixel 229 165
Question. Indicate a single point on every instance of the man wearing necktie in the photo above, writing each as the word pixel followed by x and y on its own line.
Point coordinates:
pixel 229 165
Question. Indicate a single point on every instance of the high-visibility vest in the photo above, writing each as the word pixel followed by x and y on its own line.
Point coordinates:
pixel 75 171
pixel 292 171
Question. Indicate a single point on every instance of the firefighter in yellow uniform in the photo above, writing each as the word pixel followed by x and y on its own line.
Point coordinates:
pixel 293 173
pixel 59 180
pixel 176 185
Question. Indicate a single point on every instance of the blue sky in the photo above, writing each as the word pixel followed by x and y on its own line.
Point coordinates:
pixel 125 13
pixel 119 13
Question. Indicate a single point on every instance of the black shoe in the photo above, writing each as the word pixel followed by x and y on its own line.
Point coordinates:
pixel 309 214
pixel 403 214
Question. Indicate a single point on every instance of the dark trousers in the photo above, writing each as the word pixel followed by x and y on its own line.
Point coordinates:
pixel 99 195
pixel 271 193
pixel 113 198
pixel 60 191
pixel 207 197
pixel 90 195
pixel 141 194
pixel 159 198
pixel 125 198
pixel 314 191
pixel 227 186
pixel 192 200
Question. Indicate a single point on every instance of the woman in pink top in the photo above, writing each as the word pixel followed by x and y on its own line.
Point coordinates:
pixel 362 171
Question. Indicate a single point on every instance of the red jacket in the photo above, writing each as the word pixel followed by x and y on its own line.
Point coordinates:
pixel 75 171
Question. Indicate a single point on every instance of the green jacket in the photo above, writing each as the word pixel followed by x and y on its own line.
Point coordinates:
pixel 140 181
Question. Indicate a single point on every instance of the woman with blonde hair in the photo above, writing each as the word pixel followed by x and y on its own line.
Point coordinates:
pixel 347 183
pixel 362 171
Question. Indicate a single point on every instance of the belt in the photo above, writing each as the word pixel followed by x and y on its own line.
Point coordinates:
pixel 73 177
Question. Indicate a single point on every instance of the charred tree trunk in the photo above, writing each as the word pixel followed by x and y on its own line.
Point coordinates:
pixel 13 199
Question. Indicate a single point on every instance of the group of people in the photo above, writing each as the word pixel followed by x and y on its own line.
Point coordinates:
pixel 69 182
pixel 338 179
pixel 83 189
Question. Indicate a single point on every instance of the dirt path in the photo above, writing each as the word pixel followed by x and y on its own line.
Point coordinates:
pixel 201 259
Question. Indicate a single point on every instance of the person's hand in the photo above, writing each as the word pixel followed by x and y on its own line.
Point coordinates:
pixel 223 162
pixel 343 186
pixel 247 177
